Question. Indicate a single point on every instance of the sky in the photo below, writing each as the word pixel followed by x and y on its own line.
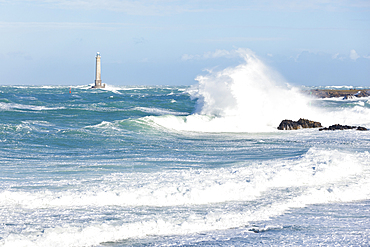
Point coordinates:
pixel 171 42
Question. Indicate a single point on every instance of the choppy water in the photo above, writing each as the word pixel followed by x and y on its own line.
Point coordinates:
pixel 181 166
pixel 94 168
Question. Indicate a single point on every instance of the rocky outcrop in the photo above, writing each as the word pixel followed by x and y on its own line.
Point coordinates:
pixel 304 123
pixel 344 94
pixel 300 124
pixel 343 127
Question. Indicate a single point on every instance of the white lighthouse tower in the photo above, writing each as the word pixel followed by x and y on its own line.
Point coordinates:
pixel 98 73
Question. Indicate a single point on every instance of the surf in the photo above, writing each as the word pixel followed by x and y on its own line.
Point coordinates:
pixel 252 97
pixel 258 191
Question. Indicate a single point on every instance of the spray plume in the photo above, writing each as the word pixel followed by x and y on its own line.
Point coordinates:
pixel 250 97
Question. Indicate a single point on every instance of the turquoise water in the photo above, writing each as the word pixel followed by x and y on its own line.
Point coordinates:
pixel 156 166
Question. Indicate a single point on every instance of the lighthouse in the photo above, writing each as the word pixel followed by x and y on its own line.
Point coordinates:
pixel 98 73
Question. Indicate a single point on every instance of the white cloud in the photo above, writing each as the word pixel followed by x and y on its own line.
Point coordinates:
pixel 187 57
pixel 240 52
pixel 338 56
pixel 212 54
pixel 353 55
pixel 217 53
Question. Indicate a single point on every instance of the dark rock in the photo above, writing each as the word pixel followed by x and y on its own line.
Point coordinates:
pixel 338 127
pixel 343 127
pixel 349 96
pixel 300 124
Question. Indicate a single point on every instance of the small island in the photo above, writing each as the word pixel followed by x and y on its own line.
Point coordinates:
pixel 339 93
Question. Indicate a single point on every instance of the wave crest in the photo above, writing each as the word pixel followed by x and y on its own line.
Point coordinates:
pixel 250 97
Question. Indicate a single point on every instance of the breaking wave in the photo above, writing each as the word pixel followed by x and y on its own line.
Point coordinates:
pixel 319 176
pixel 248 97
pixel 252 97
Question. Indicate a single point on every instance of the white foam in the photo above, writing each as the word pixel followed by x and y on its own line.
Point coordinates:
pixel 356 115
pixel 250 97
pixel 158 111
pixel 12 106
pixel 271 187
pixel 200 187
pixel 344 87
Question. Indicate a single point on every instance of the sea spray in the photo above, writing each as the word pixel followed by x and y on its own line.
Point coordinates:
pixel 250 97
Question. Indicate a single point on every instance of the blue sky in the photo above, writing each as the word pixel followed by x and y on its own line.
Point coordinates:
pixel 170 42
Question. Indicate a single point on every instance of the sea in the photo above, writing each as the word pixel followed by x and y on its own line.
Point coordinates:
pixel 199 165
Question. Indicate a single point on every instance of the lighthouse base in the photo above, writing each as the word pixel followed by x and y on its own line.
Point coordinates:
pixel 98 84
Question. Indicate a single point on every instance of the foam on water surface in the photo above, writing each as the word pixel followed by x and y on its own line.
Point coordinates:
pixel 159 203
pixel 192 187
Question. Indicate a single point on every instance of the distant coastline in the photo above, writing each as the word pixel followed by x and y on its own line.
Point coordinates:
pixel 335 93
